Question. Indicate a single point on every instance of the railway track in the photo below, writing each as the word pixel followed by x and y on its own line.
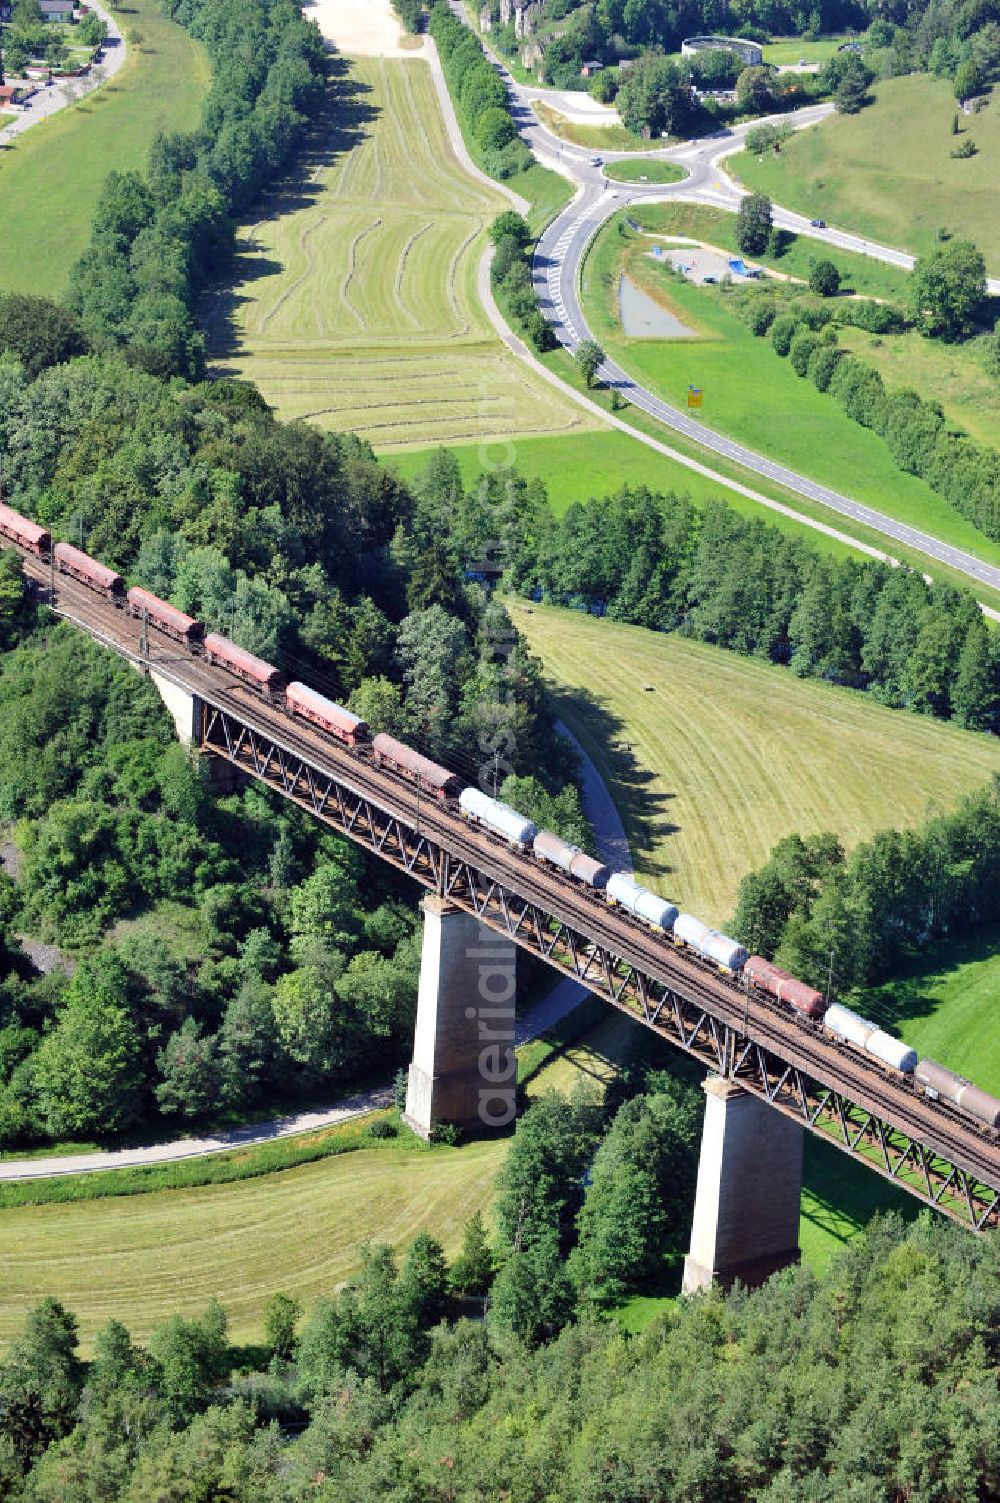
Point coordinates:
pixel 800 1045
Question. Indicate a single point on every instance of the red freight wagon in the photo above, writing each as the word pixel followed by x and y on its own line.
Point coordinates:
pixel 302 700
pixel 27 534
pixel 254 670
pixel 86 569
pixel 437 780
pixel 164 617
pixel 781 984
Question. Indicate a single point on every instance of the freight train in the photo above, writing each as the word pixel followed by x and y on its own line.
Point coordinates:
pixel 707 946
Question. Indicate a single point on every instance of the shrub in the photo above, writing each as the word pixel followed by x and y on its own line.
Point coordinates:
pixel 540 331
pixel 495 129
pixel 382 1128
pixel 822 364
pixel 802 347
pixel 824 278
pixel 966 148
pixel 760 315
pixel 753 224
pixel 859 390
pixel 866 313
pixel 511 226
pixel 783 332
pixel 514 158
pixel 508 254
pixel 815 315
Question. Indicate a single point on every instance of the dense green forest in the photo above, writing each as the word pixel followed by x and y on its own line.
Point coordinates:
pixel 873 1382
pixel 306 551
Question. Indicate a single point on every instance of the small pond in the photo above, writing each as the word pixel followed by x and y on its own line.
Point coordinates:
pixel 643 318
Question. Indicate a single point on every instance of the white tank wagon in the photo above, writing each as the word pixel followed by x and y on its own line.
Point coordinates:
pixel 500 818
pixel 717 948
pixel 892 1051
pixel 725 952
pixel 570 859
pixel 690 931
pixel 847 1025
pixel 937 1080
pixel 640 902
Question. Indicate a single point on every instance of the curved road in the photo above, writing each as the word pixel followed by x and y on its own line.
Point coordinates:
pixel 563 246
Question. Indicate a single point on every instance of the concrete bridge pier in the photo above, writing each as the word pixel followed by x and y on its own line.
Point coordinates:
pixel 185 709
pixel 746 1211
pixel 186 712
pixel 463 1069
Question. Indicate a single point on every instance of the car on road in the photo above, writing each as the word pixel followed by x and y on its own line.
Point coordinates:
pixel 596 162
pixel 818 224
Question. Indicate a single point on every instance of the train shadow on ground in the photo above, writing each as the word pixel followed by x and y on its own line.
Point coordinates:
pixel 341 126
pixel 605 739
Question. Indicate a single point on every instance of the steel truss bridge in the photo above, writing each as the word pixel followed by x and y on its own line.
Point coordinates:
pixel 874 1116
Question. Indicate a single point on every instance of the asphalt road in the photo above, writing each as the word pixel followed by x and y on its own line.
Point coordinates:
pixel 557 270
pixel 560 254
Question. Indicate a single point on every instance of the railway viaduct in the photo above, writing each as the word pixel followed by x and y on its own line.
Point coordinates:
pixel 771 1078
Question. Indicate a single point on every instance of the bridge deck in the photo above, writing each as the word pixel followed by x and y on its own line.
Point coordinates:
pixel 801 1046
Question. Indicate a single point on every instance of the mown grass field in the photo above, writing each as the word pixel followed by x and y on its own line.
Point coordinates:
pixel 355 302
pixel 50 179
pixel 141 1257
pixel 712 757
pixel 752 395
pixel 888 172
pixel 145 1257
pixel 787 51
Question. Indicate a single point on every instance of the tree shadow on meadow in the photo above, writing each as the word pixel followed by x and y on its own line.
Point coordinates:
pixel 909 994
pixel 341 126
pixel 605 737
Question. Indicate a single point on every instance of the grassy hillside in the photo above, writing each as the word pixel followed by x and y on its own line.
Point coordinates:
pixel 712 757
pixel 888 172
pixel 950 374
pixel 50 178
pixel 752 395
pixel 355 303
